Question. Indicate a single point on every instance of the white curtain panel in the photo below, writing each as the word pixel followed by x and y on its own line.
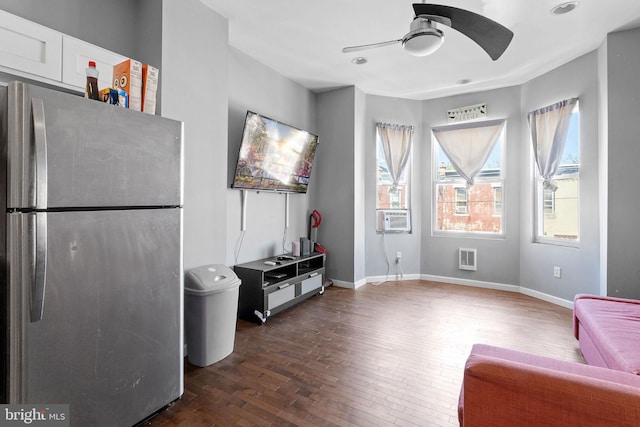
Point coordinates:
pixel 469 145
pixel 396 144
pixel 549 127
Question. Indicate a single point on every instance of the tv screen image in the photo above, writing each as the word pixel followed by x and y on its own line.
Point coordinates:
pixel 274 156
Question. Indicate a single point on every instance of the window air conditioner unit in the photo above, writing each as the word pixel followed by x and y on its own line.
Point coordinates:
pixel 395 220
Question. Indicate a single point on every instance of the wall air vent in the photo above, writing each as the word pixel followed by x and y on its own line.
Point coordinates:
pixel 467 259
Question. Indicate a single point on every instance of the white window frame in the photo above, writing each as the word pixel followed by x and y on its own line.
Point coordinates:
pixel 437 170
pixel 403 189
pixel 539 218
pixel 539 204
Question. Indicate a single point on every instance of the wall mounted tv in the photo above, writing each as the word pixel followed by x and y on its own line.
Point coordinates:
pixel 274 156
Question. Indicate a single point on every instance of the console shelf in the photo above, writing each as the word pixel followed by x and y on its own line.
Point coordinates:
pixel 271 285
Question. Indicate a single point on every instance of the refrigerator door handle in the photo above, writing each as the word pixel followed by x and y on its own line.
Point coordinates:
pixel 40 142
pixel 38 228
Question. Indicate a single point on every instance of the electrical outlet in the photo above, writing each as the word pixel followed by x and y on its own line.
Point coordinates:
pixel 557 272
pixel 398 255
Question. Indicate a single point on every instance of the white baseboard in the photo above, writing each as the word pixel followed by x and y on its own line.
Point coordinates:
pixel 374 279
pixel 348 285
pixel 473 283
pixel 456 281
pixel 546 297
pixel 395 278
pixel 502 287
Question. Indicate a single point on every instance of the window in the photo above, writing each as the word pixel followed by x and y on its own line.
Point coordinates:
pixel 548 202
pixel 461 201
pixel 388 199
pixel 390 196
pixel 469 205
pixel 497 200
pixel 557 196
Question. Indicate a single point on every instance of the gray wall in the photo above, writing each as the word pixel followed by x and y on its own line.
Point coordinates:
pixel 580 272
pixel 381 249
pixel 603 156
pixel 194 65
pixel 336 196
pixel 623 136
pixel 361 147
pixel 498 258
pixel 255 87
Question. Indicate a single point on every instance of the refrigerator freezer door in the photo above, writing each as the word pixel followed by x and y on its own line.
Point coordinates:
pixel 76 153
pixel 109 342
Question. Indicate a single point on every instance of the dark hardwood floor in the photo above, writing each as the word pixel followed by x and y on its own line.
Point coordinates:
pixel 385 355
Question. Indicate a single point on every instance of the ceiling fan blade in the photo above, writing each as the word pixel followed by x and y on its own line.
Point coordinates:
pixel 369 46
pixel 491 36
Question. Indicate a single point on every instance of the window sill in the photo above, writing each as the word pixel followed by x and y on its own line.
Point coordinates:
pixel 557 242
pixel 468 234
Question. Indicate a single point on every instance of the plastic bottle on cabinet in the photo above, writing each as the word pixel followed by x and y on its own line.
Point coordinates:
pixel 91 91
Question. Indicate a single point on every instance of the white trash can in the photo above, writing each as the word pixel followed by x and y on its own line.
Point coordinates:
pixel 210 311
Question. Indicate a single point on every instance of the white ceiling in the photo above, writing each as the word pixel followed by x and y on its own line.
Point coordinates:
pixel 302 40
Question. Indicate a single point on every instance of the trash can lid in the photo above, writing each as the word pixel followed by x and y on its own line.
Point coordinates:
pixel 210 279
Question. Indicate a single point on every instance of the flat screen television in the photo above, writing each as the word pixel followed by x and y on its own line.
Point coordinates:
pixel 274 156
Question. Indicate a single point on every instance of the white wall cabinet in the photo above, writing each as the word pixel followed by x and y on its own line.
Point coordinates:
pixel 76 55
pixel 29 48
pixel 39 53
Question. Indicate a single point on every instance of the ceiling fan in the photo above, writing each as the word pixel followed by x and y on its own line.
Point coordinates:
pixel 424 37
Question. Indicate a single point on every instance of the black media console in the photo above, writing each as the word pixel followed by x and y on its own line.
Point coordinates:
pixel 273 284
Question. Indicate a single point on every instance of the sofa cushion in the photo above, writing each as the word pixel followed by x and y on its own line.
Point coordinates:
pixel 613 325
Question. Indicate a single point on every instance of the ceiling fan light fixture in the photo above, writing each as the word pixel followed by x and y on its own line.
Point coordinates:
pixel 424 42
pixel 424 37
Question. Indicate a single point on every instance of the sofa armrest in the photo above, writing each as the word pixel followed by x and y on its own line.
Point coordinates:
pixel 576 322
pixel 508 388
pixel 605 298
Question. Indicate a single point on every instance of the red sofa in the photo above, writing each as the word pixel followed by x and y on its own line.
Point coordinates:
pixel 503 387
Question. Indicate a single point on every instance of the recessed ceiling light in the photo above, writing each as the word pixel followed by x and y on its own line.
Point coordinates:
pixel 359 60
pixel 563 8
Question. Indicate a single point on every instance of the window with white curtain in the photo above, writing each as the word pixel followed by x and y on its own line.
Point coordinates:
pixel 555 139
pixel 393 148
pixel 468 177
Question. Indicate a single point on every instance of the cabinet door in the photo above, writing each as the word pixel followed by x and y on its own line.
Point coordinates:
pixel 311 284
pixel 76 57
pixel 29 48
pixel 283 294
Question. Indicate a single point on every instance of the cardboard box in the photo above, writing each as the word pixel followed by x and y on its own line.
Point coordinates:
pixel 127 76
pixel 149 88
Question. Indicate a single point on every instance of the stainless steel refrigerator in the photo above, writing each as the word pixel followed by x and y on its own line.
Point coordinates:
pixel 91 273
